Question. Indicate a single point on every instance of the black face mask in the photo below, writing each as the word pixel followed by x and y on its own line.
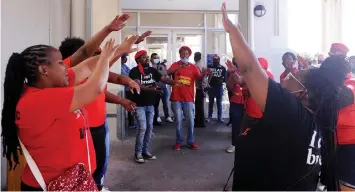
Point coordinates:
pixel 215 62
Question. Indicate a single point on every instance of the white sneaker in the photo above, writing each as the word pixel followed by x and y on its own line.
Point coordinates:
pixel 231 149
pixel 104 189
pixel 170 120
pixel 159 120
pixel 139 158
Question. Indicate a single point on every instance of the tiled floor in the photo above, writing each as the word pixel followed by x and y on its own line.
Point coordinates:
pixel 204 170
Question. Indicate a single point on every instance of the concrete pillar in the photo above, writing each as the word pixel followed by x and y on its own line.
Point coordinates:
pixel 78 19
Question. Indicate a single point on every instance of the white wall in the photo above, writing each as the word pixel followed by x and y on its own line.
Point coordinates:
pixel 25 23
pixel 187 5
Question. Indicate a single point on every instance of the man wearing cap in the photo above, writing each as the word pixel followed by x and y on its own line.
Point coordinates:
pixel 216 79
pixel 182 95
pixel 345 126
pixel 147 77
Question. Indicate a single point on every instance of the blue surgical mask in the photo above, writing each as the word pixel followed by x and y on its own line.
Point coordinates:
pixel 185 60
pixel 156 61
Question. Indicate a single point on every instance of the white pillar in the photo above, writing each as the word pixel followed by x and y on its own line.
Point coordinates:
pixel 78 18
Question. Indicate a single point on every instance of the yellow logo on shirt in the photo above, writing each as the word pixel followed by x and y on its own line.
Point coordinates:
pixel 184 80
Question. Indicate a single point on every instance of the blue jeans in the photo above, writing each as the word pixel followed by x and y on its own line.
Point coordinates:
pixel 236 116
pixel 188 109
pixel 215 92
pixel 144 115
pixel 101 139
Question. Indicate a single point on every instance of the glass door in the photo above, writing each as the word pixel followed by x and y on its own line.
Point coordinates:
pixel 159 42
pixel 192 39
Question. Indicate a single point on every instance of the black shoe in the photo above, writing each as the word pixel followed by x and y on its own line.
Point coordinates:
pixel 200 126
pixel 149 156
pixel 157 123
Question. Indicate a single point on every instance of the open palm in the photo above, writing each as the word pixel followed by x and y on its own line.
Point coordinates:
pixel 119 22
pixel 227 24
pixel 126 46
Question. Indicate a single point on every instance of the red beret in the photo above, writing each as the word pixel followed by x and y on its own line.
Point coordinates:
pixel 340 47
pixel 186 48
pixel 140 53
pixel 263 63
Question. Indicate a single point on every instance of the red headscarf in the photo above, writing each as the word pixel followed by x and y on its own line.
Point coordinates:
pixel 186 48
pixel 340 47
pixel 140 66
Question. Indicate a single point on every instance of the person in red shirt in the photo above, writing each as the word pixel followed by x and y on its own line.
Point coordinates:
pixel 288 61
pixel 182 95
pixel 76 50
pixel 345 137
pixel 43 106
pixel 236 103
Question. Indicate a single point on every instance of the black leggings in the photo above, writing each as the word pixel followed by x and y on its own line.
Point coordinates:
pixel 25 187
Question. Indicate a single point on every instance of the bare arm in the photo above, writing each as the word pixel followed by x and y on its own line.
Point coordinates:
pixel 123 80
pixel 91 46
pixel 167 80
pixel 86 68
pixel 253 75
pixel 171 71
pixel 144 88
pixel 115 99
pixel 87 92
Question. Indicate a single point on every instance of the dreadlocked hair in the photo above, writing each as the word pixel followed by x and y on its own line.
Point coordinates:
pixel 323 86
pixel 20 67
pixel 70 45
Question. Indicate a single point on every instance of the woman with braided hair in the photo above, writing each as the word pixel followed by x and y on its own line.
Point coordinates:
pixel 294 140
pixel 42 107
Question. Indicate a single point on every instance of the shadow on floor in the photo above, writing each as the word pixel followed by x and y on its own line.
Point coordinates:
pixel 204 170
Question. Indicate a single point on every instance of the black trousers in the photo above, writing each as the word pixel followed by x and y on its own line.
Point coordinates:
pixel 25 187
pixel 199 108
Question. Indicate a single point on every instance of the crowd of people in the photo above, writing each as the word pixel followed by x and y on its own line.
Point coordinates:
pixel 292 135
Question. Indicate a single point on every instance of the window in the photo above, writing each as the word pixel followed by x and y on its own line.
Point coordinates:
pixel 305 32
pixel 348 30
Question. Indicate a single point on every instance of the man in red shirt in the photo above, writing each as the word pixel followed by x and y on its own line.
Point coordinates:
pixel 288 61
pixel 182 95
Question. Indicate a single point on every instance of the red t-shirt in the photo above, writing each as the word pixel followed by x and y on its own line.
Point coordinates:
pixel 54 137
pixel 96 110
pixel 284 74
pixel 251 108
pixel 237 96
pixel 186 76
pixel 346 117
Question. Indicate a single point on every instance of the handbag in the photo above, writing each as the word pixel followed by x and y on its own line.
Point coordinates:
pixel 76 178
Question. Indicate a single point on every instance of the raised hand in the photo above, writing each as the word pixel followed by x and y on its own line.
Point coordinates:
pixel 109 49
pixel 143 36
pixel 128 104
pixel 134 86
pixel 227 24
pixel 230 66
pixel 118 23
pixel 126 46
pixel 302 61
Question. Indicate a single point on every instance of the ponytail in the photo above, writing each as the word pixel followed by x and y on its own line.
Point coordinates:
pixel 13 88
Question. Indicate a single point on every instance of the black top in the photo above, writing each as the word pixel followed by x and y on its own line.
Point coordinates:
pixel 346 97
pixel 218 75
pixel 282 152
pixel 150 79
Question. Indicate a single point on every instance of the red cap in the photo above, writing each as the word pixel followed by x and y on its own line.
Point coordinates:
pixel 186 48
pixel 339 47
pixel 263 63
pixel 140 53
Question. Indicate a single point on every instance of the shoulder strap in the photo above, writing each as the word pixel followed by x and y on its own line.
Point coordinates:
pixel 33 167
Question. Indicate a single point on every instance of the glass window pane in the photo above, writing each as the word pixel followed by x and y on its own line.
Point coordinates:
pixel 172 19
pixel 214 20
pixel 133 20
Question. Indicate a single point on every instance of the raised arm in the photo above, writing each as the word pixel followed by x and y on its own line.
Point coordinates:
pixel 233 74
pixel 253 75
pixel 86 68
pixel 91 46
pixel 95 85
pixel 123 80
